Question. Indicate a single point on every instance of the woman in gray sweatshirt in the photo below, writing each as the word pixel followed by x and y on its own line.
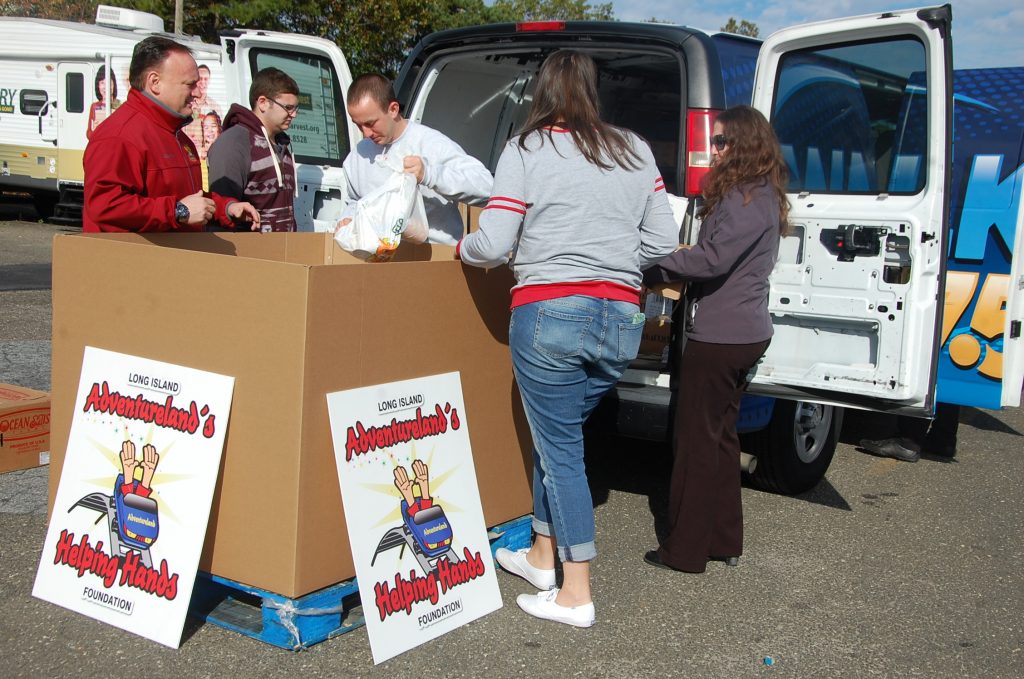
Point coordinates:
pixel 727 328
pixel 578 209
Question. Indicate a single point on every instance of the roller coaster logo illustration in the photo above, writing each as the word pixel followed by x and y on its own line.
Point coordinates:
pixel 133 526
pixel 427 533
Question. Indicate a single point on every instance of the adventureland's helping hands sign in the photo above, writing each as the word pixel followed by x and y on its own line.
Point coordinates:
pixel 415 524
pixel 130 515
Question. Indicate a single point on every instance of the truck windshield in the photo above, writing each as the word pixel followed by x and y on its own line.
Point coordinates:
pixel 319 134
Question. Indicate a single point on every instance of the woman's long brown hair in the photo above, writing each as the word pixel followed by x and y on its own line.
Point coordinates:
pixel 753 158
pixel 566 96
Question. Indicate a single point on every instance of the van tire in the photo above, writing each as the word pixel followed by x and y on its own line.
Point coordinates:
pixel 794 451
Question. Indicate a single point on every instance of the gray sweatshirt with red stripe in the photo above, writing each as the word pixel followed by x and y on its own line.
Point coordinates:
pixel 561 219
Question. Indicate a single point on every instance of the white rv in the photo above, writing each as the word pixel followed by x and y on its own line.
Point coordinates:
pixel 54 90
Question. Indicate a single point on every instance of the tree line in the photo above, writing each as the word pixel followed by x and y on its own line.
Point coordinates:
pixel 375 35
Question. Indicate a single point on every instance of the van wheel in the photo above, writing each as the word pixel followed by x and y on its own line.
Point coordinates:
pixel 794 451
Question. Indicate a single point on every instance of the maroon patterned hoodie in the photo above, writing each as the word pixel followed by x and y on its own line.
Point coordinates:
pixel 244 164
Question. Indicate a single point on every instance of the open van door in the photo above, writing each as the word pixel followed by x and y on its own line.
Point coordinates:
pixel 1011 308
pixel 321 134
pixel 862 108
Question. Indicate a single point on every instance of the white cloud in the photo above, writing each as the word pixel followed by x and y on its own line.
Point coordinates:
pixel 986 33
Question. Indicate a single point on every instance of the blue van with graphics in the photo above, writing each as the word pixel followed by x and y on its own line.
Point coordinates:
pixel 979 364
pixel 863 108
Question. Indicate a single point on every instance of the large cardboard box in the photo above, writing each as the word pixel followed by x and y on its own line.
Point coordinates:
pixel 292 317
pixel 24 428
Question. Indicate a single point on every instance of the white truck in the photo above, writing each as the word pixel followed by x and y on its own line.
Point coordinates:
pixel 54 89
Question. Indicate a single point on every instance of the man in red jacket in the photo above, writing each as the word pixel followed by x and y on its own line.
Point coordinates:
pixel 142 172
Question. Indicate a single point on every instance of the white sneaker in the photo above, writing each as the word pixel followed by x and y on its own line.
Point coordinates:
pixel 542 605
pixel 516 564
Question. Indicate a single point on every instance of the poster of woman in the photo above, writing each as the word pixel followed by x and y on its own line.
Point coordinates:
pixel 211 130
pixel 98 112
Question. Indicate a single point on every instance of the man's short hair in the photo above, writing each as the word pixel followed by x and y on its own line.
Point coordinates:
pixel 204 67
pixel 269 83
pixel 149 54
pixel 372 85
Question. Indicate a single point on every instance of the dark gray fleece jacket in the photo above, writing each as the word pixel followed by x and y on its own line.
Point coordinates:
pixel 727 270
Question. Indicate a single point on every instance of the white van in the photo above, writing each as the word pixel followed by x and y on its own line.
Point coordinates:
pixel 54 89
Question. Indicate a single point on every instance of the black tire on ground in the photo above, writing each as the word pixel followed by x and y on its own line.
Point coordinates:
pixel 794 451
pixel 44 203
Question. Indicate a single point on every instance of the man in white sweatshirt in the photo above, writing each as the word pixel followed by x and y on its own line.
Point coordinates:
pixel 446 174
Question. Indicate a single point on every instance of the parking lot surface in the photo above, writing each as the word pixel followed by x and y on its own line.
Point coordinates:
pixel 884 569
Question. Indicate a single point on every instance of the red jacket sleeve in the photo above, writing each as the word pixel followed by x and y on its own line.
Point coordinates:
pixel 221 214
pixel 115 187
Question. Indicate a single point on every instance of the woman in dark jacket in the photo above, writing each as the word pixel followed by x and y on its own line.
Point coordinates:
pixel 728 329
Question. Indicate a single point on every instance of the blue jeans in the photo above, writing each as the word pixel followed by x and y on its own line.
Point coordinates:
pixel 566 354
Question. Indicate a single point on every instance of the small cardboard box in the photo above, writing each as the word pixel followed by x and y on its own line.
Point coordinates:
pixel 673 291
pixel 470 216
pixel 24 428
pixel 657 332
pixel 292 317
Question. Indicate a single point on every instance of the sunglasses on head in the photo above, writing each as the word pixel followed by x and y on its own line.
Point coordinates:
pixel 720 141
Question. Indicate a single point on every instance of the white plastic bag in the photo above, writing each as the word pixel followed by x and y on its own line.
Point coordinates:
pixel 383 217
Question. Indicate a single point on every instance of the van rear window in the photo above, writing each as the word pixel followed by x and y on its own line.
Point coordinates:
pixel 482 100
pixel 853 118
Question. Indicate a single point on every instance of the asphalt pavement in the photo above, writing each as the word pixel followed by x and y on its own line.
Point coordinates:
pixel 885 569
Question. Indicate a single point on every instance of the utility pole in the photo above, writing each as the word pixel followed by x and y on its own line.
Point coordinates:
pixel 179 16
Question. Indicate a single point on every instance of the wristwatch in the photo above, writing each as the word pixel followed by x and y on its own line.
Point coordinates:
pixel 181 212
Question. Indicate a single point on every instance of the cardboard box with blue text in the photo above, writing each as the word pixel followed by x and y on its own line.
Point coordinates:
pixel 24 428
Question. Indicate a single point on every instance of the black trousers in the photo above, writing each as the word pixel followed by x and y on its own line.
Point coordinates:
pixel 705 512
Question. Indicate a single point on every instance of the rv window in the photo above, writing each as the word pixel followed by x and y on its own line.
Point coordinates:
pixel 319 133
pixel 74 84
pixel 853 118
pixel 33 101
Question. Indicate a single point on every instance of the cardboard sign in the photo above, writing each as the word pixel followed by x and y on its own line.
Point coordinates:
pixel 415 524
pixel 129 519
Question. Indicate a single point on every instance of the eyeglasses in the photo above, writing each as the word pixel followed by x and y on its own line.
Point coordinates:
pixel 292 110
pixel 720 141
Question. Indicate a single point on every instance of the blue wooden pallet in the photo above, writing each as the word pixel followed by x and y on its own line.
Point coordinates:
pixel 298 623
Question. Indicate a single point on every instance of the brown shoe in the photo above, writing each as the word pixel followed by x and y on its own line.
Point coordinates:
pixel 896 448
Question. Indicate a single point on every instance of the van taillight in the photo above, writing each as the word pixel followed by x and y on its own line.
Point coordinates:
pixel 526 26
pixel 698 148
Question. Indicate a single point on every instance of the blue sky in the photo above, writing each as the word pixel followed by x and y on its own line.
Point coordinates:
pixel 986 33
